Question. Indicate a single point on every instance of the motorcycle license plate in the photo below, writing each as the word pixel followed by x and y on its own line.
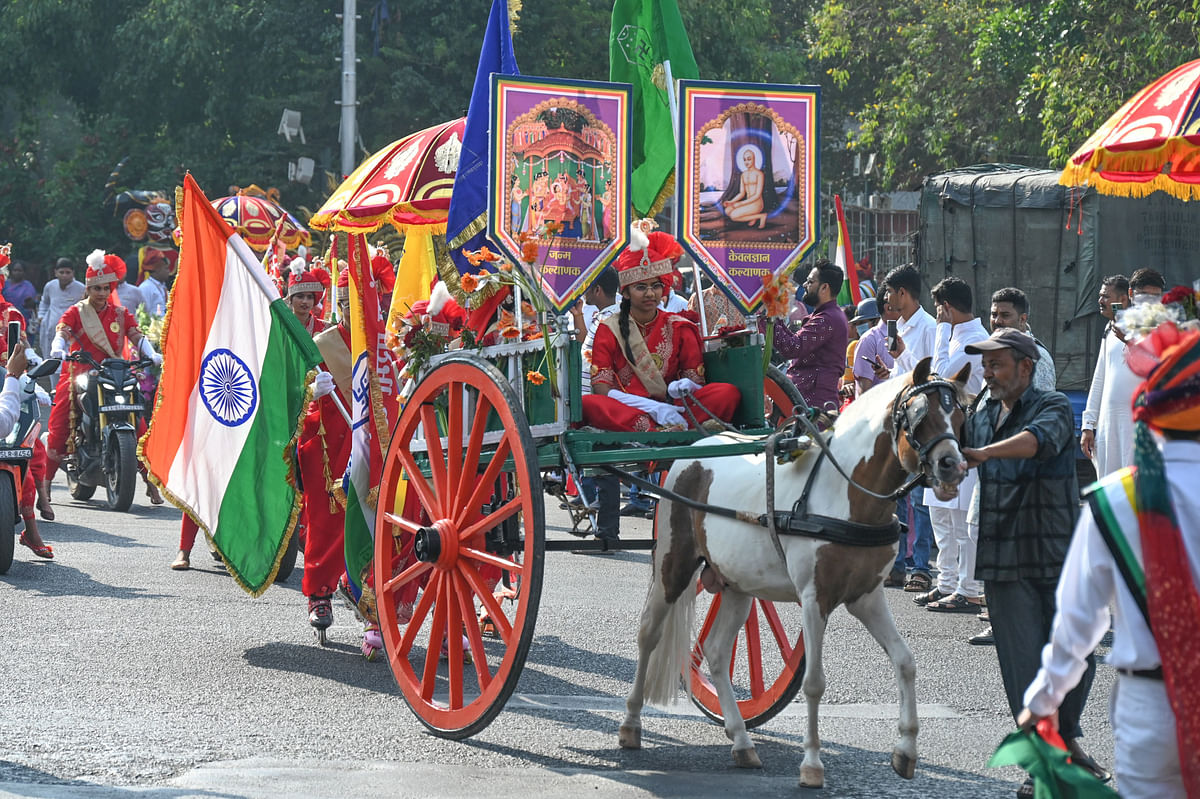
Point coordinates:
pixel 19 452
pixel 119 408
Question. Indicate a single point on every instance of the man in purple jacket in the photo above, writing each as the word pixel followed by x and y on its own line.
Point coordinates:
pixel 818 348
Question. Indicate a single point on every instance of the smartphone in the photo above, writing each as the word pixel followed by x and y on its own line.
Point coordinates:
pixel 891 335
pixel 14 337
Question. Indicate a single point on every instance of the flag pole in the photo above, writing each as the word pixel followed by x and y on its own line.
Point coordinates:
pixel 673 107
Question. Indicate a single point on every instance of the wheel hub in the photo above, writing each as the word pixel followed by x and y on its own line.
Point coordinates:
pixel 437 543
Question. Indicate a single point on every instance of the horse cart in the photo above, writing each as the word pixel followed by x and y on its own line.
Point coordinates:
pixel 479 445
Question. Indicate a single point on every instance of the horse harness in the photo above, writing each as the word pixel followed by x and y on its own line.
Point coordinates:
pixel 799 521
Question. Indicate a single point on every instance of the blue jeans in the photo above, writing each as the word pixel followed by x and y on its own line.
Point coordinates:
pixel 920 533
pixel 639 499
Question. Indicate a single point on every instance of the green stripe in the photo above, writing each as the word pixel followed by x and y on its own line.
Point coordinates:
pixel 256 515
pixel 1109 520
pixel 360 543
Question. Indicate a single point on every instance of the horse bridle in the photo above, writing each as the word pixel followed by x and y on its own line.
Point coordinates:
pixel 906 419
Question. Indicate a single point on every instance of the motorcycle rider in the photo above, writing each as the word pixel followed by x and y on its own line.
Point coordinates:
pixel 99 326
pixel 10 413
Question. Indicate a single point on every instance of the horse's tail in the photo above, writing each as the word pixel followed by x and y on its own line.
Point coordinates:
pixel 671 658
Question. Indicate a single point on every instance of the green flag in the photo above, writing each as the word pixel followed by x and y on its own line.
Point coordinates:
pixel 1055 777
pixel 645 34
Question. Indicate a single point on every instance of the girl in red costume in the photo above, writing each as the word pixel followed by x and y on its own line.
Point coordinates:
pixel 647 362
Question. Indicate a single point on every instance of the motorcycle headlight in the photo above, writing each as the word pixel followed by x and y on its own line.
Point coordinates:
pixel 81 382
pixel 107 385
pixel 119 399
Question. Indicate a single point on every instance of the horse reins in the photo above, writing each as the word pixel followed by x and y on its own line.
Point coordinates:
pixel 798 520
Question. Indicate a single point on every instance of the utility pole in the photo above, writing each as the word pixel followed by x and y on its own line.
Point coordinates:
pixel 349 86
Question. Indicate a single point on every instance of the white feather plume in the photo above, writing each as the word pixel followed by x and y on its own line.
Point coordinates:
pixel 95 259
pixel 438 298
pixel 638 240
pixel 297 266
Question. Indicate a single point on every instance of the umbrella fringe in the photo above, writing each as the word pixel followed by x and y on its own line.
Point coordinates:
pixel 1141 171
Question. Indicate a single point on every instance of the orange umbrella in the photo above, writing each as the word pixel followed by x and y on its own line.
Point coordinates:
pixel 1151 144
pixel 407 183
pixel 254 218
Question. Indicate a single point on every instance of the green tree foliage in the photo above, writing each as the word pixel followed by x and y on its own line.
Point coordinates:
pixel 200 85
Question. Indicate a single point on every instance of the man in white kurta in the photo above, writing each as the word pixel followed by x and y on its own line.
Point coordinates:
pixel 957 590
pixel 57 296
pixel 1109 413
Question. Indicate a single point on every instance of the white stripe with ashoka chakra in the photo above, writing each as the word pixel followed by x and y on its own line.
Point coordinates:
pixel 209 450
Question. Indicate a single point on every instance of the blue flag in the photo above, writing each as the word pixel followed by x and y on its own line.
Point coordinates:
pixel 466 222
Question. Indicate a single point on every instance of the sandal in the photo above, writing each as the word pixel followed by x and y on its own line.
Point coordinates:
pixel 955 603
pixel 1026 791
pixel 182 562
pixel 43 551
pixel 930 597
pixel 918 581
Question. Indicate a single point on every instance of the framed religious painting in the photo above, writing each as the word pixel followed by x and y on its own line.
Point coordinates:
pixel 747 181
pixel 559 178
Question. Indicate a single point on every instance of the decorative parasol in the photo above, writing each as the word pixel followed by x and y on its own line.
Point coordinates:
pixel 407 183
pixel 1151 144
pixel 254 220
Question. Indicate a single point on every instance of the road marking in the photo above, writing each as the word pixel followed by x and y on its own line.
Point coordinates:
pixel 614 704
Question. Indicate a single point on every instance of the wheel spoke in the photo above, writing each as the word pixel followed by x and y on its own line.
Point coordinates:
pixel 470 472
pixel 405 525
pixel 419 614
pixel 754 651
pixel 493 519
pixel 437 635
pixel 503 625
pixel 417 481
pixel 698 649
pixel 474 636
pixel 433 446
pixel 776 625
pixel 405 577
pixel 454 442
pixel 495 560
pixel 486 482
pixel 454 640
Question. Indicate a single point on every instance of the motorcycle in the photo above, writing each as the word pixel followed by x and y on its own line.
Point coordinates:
pixel 16 450
pixel 105 433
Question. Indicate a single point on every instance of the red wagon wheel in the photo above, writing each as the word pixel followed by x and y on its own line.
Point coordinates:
pixel 767 666
pixel 781 396
pixel 463 445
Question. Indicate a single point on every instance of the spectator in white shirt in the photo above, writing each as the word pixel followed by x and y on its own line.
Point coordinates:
pixel 915 340
pixel 57 296
pixel 154 287
pixel 1107 436
pixel 957 590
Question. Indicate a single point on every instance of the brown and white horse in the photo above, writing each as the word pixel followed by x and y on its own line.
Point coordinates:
pixel 878 439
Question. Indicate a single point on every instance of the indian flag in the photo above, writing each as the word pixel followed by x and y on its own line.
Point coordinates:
pixel 372 413
pixel 850 293
pixel 236 367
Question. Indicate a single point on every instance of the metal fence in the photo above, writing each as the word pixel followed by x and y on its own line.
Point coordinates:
pixel 887 236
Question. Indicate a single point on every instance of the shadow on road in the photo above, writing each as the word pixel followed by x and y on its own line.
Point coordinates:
pixel 20 780
pixel 55 578
pixel 55 533
pixel 341 663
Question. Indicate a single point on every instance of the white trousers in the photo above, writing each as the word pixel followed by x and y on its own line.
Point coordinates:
pixel 957 542
pixel 1144 732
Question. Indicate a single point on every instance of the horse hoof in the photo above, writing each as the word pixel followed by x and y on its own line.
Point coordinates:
pixel 746 758
pixel 812 777
pixel 630 737
pixel 904 765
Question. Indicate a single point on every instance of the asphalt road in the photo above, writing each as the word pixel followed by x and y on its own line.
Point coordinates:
pixel 124 678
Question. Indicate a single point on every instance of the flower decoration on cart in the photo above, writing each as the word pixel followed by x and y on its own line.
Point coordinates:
pixel 1138 322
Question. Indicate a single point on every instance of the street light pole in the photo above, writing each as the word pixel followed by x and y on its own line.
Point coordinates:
pixel 349 86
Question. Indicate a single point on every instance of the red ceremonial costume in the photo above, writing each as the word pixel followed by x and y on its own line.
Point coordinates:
pixel 324 451
pixel 102 334
pixel 37 465
pixel 666 349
